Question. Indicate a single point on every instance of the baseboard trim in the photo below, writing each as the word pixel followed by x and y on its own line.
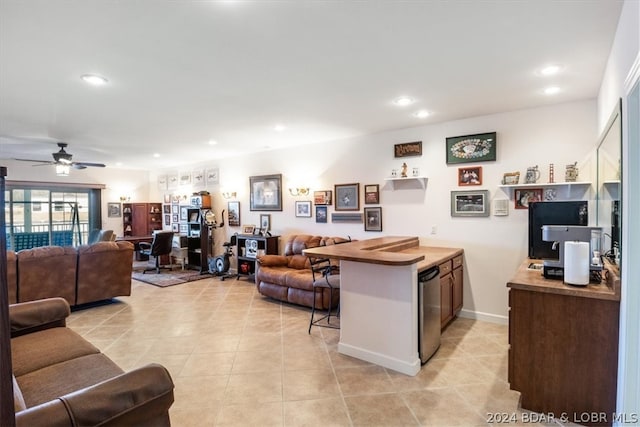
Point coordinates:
pixel 487 317
pixel 401 366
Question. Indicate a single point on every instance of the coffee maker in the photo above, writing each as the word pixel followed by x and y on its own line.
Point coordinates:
pixel 559 234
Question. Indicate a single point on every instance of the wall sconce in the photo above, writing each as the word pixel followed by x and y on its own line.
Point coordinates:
pixel 300 191
pixel 62 170
pixel 229 194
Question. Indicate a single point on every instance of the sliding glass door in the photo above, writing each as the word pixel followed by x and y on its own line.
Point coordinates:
pixel 46 216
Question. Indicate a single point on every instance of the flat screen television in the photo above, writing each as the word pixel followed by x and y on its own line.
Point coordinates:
pixel 553 213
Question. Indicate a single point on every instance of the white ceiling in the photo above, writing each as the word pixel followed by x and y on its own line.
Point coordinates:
pixel 184 72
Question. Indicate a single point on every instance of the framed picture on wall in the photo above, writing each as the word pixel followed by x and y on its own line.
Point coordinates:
pixel 371 194
pixel 265 193
pixel 373 219
pixel 323 197
pixel 321 214
pixel 233 209
pixel 113 210
pixel 347 197
pixel 303 209
pixel 470 203
pixel 524 196
pixel 470 176
pixel 471 148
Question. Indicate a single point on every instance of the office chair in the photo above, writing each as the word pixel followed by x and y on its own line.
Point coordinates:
pixel 161 245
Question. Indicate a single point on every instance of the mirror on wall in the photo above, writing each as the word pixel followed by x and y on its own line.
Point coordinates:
pixel 609 184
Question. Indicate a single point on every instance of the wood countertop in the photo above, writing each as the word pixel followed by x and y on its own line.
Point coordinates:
pixel 533 280
pixel 389 250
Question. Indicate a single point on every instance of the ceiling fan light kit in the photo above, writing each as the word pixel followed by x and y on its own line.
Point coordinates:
pixel 63 161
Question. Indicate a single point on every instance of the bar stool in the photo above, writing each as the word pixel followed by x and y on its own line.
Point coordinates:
pixel 325 276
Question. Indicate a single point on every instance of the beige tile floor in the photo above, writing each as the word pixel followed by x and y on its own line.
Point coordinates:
pixel 238 358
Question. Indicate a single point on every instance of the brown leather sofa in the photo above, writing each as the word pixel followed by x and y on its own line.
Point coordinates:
pixel 80 275
pixel 288 277
pixel 60 379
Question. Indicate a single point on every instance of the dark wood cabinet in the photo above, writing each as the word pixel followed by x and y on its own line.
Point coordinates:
pixel 141 219
pixel 563 348
pixel 248 247
pixel 451 284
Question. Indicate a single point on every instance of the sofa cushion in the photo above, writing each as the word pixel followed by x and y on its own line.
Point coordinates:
pixel 275 275
pixel 298 262
pixel 297 243
pixel 104 271
pixel 35 267
pixel 53 381
pixel 40 349
pixel 299 279
pixel 18 399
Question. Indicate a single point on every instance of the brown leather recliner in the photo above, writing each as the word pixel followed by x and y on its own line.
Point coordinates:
pixel 37 266
pixel 104 270
pixel 60 379
pixel 12 276
pixel 289 278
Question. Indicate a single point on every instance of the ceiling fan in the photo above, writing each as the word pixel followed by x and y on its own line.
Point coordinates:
pixel 63 161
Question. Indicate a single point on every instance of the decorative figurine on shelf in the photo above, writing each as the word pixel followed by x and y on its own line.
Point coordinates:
pixel 551 177
pixel 571 174
pixel 403 171
pixel 532 175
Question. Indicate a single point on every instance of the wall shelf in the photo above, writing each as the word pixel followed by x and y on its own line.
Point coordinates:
pixel 568 185
pixel 422 180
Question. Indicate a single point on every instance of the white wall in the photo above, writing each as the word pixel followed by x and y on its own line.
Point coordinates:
pixel 494 246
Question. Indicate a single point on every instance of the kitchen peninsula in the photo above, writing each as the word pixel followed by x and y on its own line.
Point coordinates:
pixel 379 297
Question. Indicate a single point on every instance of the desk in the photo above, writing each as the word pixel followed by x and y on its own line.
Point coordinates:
pixel 136 240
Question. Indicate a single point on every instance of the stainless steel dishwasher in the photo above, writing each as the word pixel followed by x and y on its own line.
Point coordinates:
pixel 428 313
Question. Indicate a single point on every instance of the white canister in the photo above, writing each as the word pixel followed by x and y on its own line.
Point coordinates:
pixel 576 263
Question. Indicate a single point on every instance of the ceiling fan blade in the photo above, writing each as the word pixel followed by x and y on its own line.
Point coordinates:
pixel 47 162
pixel 82 165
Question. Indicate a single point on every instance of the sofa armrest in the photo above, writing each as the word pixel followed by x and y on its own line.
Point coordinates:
pixel 139 397
pixel 273 260
pixel 32 316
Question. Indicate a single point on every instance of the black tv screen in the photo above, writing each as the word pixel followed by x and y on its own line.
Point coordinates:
pixel 553 213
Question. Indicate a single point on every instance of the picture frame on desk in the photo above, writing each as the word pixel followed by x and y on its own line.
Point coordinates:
pixel 265 222
pixel 248 229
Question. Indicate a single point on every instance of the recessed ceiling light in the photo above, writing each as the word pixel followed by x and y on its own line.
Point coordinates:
pixel 552 90
pixel 213 142
pixel 550 70
pixel 156 155
pixel 403 101
pixel 421 114
pixel 94 79
pixel 279 128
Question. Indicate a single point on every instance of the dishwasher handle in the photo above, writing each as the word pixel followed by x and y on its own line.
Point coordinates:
pixel 429 274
